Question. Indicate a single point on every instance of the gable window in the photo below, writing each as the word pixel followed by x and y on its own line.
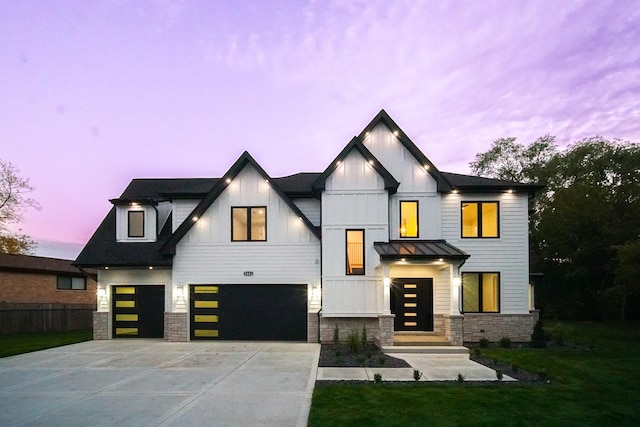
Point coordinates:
pixel 355 252
pixel 409 219
pixel 249 224
pixel 481 292
pixel 135 223
pixel 72 283
pixel 480 219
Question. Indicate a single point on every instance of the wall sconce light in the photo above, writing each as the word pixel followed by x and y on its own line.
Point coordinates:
pixel 456 282
pixel 102 292
pixel 180 292
pixel 315 291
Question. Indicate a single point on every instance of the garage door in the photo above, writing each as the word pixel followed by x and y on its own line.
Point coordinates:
pixel 138 311
pixel 249 312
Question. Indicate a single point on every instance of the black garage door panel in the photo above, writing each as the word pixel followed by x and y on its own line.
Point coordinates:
pixel 259 312
pixel 138 311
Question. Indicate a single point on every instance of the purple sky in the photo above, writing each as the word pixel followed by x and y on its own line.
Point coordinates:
pixel 93 94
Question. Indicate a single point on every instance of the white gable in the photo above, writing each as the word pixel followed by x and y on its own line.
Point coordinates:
pixel 354 173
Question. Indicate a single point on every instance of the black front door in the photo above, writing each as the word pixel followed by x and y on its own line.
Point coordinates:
pixel 138 311
pixel 412 303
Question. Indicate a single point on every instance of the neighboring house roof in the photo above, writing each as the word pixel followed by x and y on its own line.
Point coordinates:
pixel 418 249
pixel 103 250
pixel 390 183
pixel 36 264
pixel 244 160
pixel 443 184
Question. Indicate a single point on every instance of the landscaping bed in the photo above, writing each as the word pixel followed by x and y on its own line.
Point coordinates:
pixel 341 356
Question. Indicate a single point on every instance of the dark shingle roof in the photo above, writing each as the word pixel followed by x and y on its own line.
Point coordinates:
pixel 36 264
pixel 477 184
pixel 418 249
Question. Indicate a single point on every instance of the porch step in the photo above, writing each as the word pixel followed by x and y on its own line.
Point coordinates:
pixel 419 339
pixel 426 349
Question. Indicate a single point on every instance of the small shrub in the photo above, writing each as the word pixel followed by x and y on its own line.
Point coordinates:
pixel 477 352
pixel 499 374
pixel 363 337
pixel 336 335
pixel 484 343
pixel 382 360
pixel 505 342
pixel 538 339
pixel 377 378
pixel 354 342
pixel 417 375
pixel 460 378
pixel 514 367
pixel 542 374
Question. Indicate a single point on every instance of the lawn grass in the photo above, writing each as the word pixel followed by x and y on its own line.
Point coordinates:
pixel 11 345
pixel 595 384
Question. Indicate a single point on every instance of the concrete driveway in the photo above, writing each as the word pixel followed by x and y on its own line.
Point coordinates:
pixel 153 382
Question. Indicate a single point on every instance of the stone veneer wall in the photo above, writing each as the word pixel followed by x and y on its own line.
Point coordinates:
pixel 453 324
pixel 176 327
pixel 517 327
pixel 100 325
pixel 312 326
pixel 385 330
pixel 438 324
pixel 346 325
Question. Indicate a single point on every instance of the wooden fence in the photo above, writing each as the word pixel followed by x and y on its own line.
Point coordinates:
pixel 18 318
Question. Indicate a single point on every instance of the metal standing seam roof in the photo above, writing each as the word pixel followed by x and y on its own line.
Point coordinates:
pixel 419 249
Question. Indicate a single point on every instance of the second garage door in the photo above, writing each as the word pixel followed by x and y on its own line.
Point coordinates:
pixel 249 312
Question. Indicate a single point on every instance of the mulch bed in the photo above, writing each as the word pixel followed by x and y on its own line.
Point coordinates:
pixel 340 356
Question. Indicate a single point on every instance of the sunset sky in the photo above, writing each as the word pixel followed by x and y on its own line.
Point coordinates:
pixel 96 93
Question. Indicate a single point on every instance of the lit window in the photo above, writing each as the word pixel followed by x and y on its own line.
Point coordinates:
pixel 355 252
pixel 409 219
pixel 136 223
pixel 249 224
pixel 480 292
pixel 72 283
pixel 480 219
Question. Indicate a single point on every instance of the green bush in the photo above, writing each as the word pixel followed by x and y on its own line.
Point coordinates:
pixel 538 340
pixel 499 374
pixel 354 342
pixel 505 342
pixel 484 342
pixel 417 375
pixel 363 337
pixel 460 378
pixel 477 352
pixel 377 378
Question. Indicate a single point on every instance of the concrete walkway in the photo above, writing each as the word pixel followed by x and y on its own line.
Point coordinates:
pixel 156 383
pixel 434 367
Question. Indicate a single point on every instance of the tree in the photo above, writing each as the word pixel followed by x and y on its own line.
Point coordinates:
pixel 589 207
pixel 14 200
pixel 627 274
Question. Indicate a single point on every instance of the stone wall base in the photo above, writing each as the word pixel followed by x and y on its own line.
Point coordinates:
pixel 100 325
pixel 453 324
pixel 347 325
pixel 312 326
pixel 516 327
pixel 176 327
pixel 385 330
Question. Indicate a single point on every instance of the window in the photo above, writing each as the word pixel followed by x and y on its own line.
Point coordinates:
pixel 135 223
pixel 249 224
pixel 480 219
pixel 72 283
pixel 481 292
pixel 355 252
pixel 409 219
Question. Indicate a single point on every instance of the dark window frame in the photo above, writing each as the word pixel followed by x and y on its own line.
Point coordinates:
pixel 479 212
pixel 480 286
pixel 70 278
pixel 248 210
pixel 129 212
pixel 346 252
pixel 417 202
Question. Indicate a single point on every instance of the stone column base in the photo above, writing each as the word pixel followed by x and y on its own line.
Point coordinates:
pixel 453 328
pixel 176 327
pixel 313 326
pixel 100 325
pixel 385 330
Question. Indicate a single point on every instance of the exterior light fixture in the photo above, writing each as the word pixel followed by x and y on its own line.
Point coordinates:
pixel 426 167
pixel 194 219
pixel 509 191
pixel 454 191
pixel 180 291
pixel 396 133
pixel 134 204
pixel 150 268
pixel 371 162
pixel 106 268
pixel 102 292
pixel 228 181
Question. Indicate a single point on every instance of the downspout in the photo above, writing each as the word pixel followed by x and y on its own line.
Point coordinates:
pixel 459 294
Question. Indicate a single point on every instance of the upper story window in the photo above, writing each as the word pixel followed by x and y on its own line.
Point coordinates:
pixel 355 252
pixel 72 283
pixel 135 223
pixel 409 219
pixel 481 292
pixel 480 219
pixel 249 224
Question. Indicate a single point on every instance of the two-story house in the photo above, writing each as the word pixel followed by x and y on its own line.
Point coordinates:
pixel 380 239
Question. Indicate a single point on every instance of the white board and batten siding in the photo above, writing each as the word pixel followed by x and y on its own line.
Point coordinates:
pixel 122 223
pixel 416 184
pixel 206 254
pixel 507 255
pixel 310 208
pixel 354 198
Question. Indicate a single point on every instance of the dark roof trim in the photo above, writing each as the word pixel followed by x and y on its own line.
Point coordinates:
pixel 419 250
pixel 129 201
pixel 390 183
pixel 384 118
pixel 477 184
pixel 245 159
